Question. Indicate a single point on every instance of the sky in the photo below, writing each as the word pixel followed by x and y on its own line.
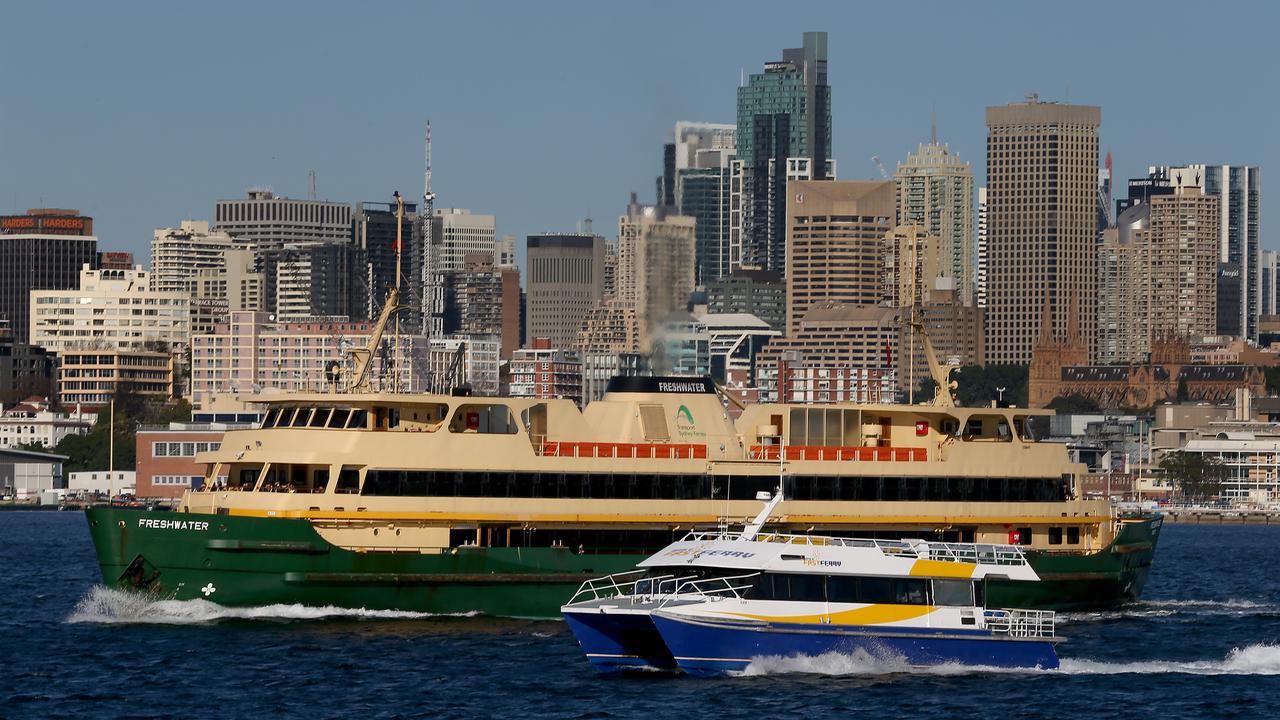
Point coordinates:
pixel 142 114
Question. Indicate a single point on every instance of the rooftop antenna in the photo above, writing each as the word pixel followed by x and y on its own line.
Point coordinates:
pixel 933 127
pixel 311 181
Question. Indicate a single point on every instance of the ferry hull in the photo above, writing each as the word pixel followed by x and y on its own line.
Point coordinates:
pixel 616 642
pixel 709 648
pixel 249 561
pixel 245 561
pixel 1095 581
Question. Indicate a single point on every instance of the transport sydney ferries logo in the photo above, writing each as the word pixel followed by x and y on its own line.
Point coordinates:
pixel 685 425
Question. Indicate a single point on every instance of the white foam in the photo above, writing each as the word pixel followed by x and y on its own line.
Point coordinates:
pixel 108 606
pixel 1261 659
pixel 1171 608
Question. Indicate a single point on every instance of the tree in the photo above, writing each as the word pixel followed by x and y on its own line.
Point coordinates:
pixel 979 385
pixel 1074 403
pixel 1196 475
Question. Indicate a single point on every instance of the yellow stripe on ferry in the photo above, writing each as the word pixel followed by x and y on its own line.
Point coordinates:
pixel 939 568
pixel 869 615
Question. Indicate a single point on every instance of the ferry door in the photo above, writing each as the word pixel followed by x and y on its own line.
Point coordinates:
pixel 886 430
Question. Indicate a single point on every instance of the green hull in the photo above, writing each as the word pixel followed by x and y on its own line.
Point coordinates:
pixel 240 561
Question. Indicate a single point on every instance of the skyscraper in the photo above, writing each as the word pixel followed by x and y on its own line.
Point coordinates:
pixel 565 281
pixel 980 283
pixel 695 181
pixel 835 244
pixel 42 250
pixel 935 191
pixel 1239 267
pixel 179 254
pixel 374 230
pixel 784 134
pixel 1042 222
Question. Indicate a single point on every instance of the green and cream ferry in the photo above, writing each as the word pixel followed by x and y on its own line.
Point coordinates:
pixel 453 504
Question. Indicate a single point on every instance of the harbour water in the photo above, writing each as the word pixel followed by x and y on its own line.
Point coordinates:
pixel 1205 642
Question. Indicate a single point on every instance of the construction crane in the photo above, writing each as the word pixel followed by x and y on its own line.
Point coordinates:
pixel 883 173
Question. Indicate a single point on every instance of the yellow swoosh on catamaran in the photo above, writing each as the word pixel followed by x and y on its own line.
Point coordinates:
pixel 939 568
pixel 869 615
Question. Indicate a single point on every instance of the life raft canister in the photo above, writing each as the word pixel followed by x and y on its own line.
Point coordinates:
pixel 1015 537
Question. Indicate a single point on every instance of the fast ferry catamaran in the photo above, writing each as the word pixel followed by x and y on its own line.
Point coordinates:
pixel 714 602
pixel 447 503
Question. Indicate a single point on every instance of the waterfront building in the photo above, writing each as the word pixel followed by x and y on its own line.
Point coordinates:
pixel 1042 167
pixel 92 377
pixel 835 242
pixel 784 134
pixel 566 280
pixel 655 263
pixel 25 474
pixel 166 455
pixel 543 371
pixel 31 421
pixel 1237 190
pixel 110 309
pixel 935 191
pixel 102 482
pixel 41 250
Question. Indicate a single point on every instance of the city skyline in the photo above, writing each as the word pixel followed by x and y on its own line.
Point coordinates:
pixel 157 112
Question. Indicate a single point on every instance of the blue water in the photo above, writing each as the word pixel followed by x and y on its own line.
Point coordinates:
pixel 1204 643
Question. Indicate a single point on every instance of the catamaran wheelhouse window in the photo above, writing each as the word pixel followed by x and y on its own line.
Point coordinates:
pixel 956 593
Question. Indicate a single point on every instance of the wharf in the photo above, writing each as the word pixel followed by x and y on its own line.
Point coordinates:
pixel 1222 517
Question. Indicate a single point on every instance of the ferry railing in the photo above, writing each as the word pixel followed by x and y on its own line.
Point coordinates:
pixel 988 554
pixel 641 589
pixel 1021 623
pixel 713 588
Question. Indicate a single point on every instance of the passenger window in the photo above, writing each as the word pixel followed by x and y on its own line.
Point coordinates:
pixel 273 416
pixel 320 417
pixel 339 418
pixel 807 588
pixel 300 419
pixel 973 428
pixel 319 480
pixel 1024 536
pixel 954 593
pixel 875 590
pixel 1073 536
pixel 1055 536
pixel 842 589
pixel 348 481
pixel 911 592
pixel 359 420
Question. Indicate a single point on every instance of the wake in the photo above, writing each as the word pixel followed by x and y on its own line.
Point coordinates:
pixel 107 606
pixel 1262 659
pixel 1182 609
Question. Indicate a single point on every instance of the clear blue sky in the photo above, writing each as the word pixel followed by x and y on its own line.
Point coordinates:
pixel 142 114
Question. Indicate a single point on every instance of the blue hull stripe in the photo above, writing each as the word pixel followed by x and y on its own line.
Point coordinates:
pixel 703 648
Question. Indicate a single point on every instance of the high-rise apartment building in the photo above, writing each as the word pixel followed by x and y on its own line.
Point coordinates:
pixel 115 309
pixel 1269 260
pixel 265 222
pixel 752 292
pixel 42 250
pixel 543 371
pixel 980 281
pixel 655 263
pixel 1157 276
pixel 486 302
pixel 321 280
pixel 835 241
pixel 236 287
pixel 179 254
pixel 565 281
pixel 1239 275
pixel 784 134
pixel 935 191
pixel 1042 174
